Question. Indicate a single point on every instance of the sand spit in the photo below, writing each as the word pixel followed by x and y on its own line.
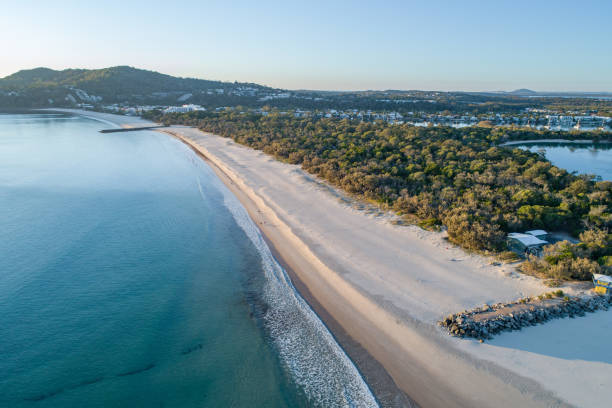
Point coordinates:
pixel 386 286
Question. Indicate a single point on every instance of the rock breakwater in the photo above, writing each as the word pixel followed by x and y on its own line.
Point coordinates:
pixel 486 321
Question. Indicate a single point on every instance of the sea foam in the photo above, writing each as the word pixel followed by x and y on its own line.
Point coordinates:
pixel 307 350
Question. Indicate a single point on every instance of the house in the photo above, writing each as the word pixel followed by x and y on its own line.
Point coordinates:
pixel 603 284
pixel 525 244
pixel 541 234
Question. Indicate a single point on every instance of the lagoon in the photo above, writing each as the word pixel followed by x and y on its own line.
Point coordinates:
pixel 585 158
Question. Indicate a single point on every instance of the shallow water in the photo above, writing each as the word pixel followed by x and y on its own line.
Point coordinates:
pixel 130 276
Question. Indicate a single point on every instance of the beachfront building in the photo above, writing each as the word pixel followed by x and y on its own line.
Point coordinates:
pixel 529 243
pixel 541 234
pixel 603 283
pixel 184 109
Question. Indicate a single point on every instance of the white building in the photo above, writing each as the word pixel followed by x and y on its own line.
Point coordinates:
pixel 183 109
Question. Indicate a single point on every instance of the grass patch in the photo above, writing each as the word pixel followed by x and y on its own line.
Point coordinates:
pixel 508 256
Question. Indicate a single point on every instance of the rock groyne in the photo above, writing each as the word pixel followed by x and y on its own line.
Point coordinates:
pixel 486 321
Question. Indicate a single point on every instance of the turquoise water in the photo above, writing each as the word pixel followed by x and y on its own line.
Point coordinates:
pixel 130 276
pixel 581 158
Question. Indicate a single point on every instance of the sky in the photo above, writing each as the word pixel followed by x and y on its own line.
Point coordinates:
pixel 328 45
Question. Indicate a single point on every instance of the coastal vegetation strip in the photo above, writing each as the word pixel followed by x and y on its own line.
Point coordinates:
pixel 459 179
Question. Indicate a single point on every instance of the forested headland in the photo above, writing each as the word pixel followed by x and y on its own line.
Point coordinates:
pixel 461 179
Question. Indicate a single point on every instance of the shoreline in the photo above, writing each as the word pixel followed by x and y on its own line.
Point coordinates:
pixel 354 321
pixel 373 373
pixel 390 324
pixel 535 141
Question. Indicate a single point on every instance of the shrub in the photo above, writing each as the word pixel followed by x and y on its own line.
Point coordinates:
pixel 508 256
pixel 431 224
pixel 473 229
pixel 565 269
pixel 565 261
pixel 552 283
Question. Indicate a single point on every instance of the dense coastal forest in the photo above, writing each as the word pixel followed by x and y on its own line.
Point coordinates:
pixel 461 179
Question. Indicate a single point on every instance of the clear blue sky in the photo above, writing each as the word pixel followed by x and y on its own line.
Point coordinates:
pixel 435 45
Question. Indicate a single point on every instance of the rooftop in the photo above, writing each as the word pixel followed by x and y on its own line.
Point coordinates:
pixel 602 278
pixel 527 239
pixel 536 233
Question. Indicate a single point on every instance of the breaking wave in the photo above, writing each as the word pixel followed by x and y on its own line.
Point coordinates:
pixel 307 350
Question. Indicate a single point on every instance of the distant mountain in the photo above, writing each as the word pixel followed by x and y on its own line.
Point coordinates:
pixel 523 91
pixel 44 86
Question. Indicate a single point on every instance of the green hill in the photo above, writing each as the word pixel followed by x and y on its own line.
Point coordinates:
pixel 40 86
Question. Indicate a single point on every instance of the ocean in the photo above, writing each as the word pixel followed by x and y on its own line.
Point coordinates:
pixel 130 276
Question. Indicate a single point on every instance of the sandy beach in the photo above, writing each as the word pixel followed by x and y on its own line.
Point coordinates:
pixel 381 288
